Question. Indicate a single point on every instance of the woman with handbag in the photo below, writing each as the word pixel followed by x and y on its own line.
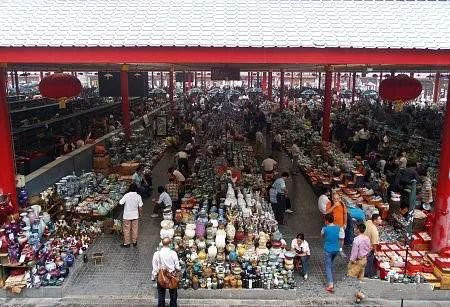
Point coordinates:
pixel 166 267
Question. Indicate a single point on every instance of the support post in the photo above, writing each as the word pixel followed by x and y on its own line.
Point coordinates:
pixel 292 79
pixel 381 78
pixel 349 81
pixel 153 80
pixel 437 87
pixel 257 80
pixel 320 80
pixel 16 80
pixel 441 226
pixel 353 87
pixel 338 82
pixel 171 86
pixel 327 105
pixel 8 177
pixel 281 89
pixel 201 79
pixel 125 101
pixel 248 79
pixel 41 75
pixel 301 80
pixel 270 86
pixel 251 79
pixel 162 79
pixel 195 78
pixel 264 81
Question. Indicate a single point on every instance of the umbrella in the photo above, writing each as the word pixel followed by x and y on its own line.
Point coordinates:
pixel 255 90
pixel 309 92
pixel 370 94
pixel 196 91
pixel 158 91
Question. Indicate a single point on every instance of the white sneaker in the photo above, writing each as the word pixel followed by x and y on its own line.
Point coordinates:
pixel 289 211
pixel 154 215
pixel 305 276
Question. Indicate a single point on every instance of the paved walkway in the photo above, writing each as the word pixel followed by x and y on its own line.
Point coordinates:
pixel 124 279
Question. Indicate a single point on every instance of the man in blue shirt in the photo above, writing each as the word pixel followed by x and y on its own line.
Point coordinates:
pixel 331 246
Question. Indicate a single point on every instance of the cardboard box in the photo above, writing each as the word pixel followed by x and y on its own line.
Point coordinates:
pixel 101 162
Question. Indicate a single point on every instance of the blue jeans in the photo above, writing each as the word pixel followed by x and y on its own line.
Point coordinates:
pixel 305 264
pixel 329 259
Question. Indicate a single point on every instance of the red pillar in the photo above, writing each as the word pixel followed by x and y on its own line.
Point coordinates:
pixel 264 82
pixel 251 80
pixel 437 87
pixel 258 84
pixel 171 87
pixel 125 101
pixel 381 78
pixel 353 87
pixel 327 106
pixel 8 177
pixel 320 80
pixel 270 86
pixel 338 82
pixel 301 79
pixel 281 89
pixel 292 79
pixel 441 226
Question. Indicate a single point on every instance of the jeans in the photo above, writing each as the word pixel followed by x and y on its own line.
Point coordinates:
pixel 162 296
pixel 329 259
pixel 305 264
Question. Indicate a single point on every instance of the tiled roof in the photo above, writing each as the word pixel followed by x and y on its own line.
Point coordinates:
pixel 231 23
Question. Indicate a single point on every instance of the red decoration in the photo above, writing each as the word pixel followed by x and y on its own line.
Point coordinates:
pixel 400 88
pixel 60 86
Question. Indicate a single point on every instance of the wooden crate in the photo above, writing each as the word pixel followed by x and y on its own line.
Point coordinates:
pixel 101 162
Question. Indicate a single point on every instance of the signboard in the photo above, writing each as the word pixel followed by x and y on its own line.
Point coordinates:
pixel 225 73
pixel 109 84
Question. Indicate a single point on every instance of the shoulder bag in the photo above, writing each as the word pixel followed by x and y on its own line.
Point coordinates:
pixel 166 279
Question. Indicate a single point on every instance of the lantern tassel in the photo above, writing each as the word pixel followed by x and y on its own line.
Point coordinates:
pixel 62 102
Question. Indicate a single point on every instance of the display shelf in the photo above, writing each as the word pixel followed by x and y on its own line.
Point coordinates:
pixel 63 118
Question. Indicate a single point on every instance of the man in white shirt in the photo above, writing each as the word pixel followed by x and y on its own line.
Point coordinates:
pixel 132 202
pixel 167 259
pixel 163 201
pixel 179 177
pixel 301 248
pixel 323 202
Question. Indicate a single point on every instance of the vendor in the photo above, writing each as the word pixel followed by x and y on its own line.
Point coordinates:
pixel 301 248
pixel 163 201
pixel 179 177
pixel 372 233
pixel 143 187
pixel 269 165
pixel 181 158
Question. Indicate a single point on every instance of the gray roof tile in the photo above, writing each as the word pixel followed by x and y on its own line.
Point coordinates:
pixel 242 23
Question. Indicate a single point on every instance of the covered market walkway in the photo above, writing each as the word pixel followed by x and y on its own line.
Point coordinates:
pixel 226 37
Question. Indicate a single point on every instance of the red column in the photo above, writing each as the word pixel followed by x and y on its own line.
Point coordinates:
pixel 437 87
pixel 251 80
pixel 381 78
pixel 292 79
pixel 184 82
pixel 258 84
pixel 270 86
pixel 441 226
pixel 353 87
pixel 125 101
pixel 327 106
pixel 281 89
pixel 320 80
pixel 8 176
pixel 301 79
pixel 264 82
pixel 338 82
pixel 171 87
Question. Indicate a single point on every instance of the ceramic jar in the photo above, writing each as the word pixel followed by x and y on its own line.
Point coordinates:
pixel 25 219
pixel 230 231
pixel 212 252
pixel 220 238
pixel 200 228
pixel 190 231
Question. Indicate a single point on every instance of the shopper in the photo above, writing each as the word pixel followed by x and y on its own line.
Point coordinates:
pixel 331 234
pixel 281 191
pixel 132 202
pixel 165 258
pixel 295 152
pixel 259 144
pixel 179 177
pixel 181 158
pixel 324 202
pixel 339 211
pixel 360 250
pixel 163 201
pixel 372 233
pixel 301 248
pixel 358 260
pixel 269 165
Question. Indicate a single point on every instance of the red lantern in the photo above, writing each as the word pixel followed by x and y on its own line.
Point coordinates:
pixel 400 88
pixel 60 87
